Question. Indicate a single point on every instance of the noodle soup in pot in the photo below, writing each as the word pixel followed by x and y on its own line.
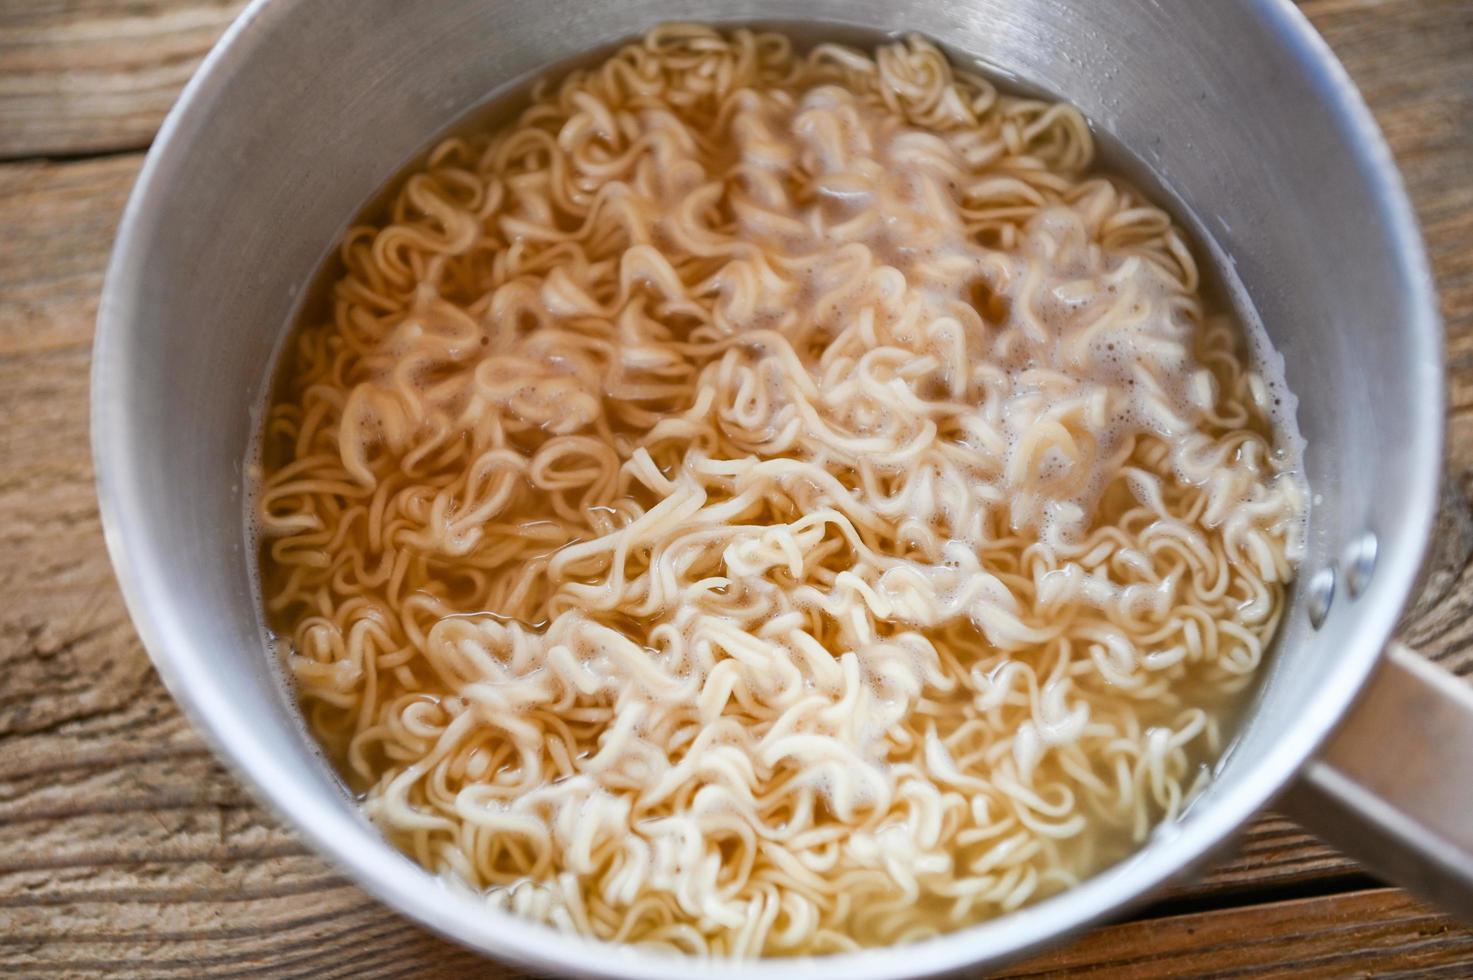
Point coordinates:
pixel 762 500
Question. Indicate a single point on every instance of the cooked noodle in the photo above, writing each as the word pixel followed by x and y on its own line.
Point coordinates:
pixel 763 502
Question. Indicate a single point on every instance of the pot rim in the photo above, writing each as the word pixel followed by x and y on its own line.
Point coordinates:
pixel 354 846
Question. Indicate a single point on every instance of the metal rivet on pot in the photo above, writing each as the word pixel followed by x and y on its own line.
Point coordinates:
pixel 1321 595
pixel 1360 562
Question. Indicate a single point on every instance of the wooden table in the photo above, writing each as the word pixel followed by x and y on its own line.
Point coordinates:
pixel 126 849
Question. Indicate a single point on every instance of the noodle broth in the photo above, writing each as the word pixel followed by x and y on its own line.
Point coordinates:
pixel 760 502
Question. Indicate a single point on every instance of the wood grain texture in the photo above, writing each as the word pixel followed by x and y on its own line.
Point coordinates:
pixel 84 76
pixel 1376 932
pixel 126 850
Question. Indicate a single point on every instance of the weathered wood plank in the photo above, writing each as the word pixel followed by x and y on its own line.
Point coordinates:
pixel 1411 60
pixel 86 76
pixel 124 848
pixel 58 224
pixel 1376 932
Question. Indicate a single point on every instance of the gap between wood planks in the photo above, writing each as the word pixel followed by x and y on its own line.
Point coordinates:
pixel 63 157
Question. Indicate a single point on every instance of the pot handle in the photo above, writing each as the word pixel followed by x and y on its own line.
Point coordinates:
pixel 1393 787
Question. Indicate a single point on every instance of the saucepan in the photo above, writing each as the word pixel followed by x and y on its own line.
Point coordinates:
pixel 308 106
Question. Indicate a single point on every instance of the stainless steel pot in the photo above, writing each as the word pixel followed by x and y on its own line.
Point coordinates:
pixel 308 106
